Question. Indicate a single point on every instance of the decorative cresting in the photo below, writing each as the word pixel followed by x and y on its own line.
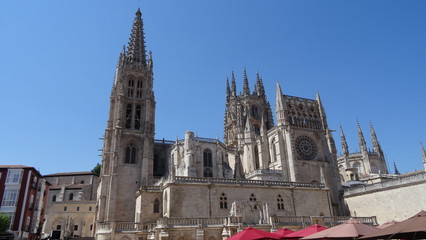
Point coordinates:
pixel 303 112
pixel 306 148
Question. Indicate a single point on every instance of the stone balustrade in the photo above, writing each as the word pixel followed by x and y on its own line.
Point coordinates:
pixel 418 177
pixel 179 179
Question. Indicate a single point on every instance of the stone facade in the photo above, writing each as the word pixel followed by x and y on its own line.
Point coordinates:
pixel 264 174
pixel 71 205
pixel 395 199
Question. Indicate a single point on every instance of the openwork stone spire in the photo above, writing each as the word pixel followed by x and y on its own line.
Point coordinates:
pixel 344 144
pixel 228 91
pixel 361 140
pixel 233 86
pixel 375 142
pixel 423 154
pixel 136 49
pixel 395 169
pixel 260 90
pixel 246 88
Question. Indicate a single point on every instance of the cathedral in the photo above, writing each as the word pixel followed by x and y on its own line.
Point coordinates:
pixel 265 174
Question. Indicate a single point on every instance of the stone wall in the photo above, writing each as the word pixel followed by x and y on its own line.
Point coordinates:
pixel 396 199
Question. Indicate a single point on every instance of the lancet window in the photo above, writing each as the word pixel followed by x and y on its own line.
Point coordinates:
pixel 131 152
pixel 138 117
pixel 129 109
pixel 156 206
pixel 208 163
pixel 223 201
pixel 139 89
pixel 280 202
pixel 130 88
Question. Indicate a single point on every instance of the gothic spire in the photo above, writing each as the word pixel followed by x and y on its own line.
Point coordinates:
pixel 361 140
pixel 233 85
pixel 345 149
pixel 280 106
pixel 228 90
pixel 395 169
pixel 260 90
pixel 246 88
pixel 136 48
pixel 322 111
pixel 375 142
pixel 423 154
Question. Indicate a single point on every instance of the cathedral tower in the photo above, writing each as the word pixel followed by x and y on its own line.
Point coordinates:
pixel 127 158
pixel 248 117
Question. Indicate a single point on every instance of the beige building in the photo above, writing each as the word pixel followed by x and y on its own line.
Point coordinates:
pixel 396 199
pixel 264 174
pixel 71 205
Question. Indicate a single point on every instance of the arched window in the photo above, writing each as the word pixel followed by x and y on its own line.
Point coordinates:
pixel 280 203
pixel 254 111
pixel 129 109
pixel 156 206
pixel 71 197
pixel 274 151
pixel 139 89
pixel 130 88
pixel 54 198
pixel 130 154
pixel 256 157
pixel 223 201
pixel 208 163
pixel 138 117
pixel 253 199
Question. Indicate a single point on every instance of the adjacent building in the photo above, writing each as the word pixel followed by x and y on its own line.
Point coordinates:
pixel 71 205
pixel 23 197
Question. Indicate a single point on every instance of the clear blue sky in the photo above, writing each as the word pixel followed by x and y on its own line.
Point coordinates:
pixel 366 58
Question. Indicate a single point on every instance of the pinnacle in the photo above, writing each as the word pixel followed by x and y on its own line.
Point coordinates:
pixel 136 47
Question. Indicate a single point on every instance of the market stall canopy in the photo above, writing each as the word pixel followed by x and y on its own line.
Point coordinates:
pixel 411 228
pixel 282 232
pixel 250 233
pixel 348 230
pixel 305 232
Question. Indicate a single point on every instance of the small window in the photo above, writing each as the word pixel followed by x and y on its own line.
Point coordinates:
pixel 156 206
pixel 58 227
pixel 78 208
pixel 82 182
pixel 208 163
pixel 252 198
pixel 223 201
pixel 54 198
pixel 71 197
pixel 90 208
pixel 65 209
pixel 75 227
pixel 280 203
pixel 130 154
pixel 91 227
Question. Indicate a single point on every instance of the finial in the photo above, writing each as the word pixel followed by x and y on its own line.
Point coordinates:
pixel 233 85
pixel 246 88
pixel 395 169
